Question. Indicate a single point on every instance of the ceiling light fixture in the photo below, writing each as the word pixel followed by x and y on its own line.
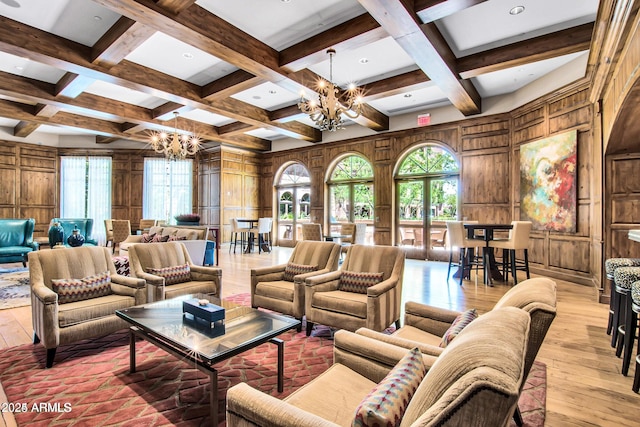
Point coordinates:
pixel 516 10
pixel 327 114
pixel 11 3
pixel 175 146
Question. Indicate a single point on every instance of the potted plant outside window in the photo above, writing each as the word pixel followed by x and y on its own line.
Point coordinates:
pixel 188 219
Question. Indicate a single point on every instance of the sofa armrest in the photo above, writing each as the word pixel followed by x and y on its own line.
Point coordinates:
pixel 382 287
pixel 367 356
pixel 430 319
pixel 426 349
pixel 248 406
pixel 152 279
pixel 132 238
pixel 323 278
pixel 33 245
pixel 44 294
pixel 199 272
pixel 265 273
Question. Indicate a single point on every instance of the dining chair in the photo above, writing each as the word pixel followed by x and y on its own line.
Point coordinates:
pixel 518 240
pixel 263 234
pixel 108 226
pixel 311 231
pixel 121 230
pixel 235 230
pixel 457 241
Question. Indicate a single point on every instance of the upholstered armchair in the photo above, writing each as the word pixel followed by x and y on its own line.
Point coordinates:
pixel 425 326
pixel 365 292
pixel 311 231
pixel 85 225
pixel 16 239
pixel 475 382
pixel 74 295
pixel 281 287
pixel 169 271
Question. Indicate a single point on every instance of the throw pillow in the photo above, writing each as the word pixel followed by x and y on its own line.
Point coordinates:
pixel 72 290
pixel 147 238
pixel 292 270
pixel 458 325
pixel 172 275
pixel 175 238
pixel 386 403
pixel 353 281
pixel 159 239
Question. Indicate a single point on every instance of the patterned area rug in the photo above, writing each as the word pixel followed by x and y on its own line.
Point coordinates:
pixel 90 383
pixel 14 288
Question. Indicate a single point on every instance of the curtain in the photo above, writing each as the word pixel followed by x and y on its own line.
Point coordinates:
pixel 167 189
pixel 85 191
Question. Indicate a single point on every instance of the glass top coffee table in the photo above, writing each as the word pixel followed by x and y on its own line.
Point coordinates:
pixel 163 324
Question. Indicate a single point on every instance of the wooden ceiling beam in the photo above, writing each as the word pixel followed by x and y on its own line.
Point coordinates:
pixel 166 110
pixel 119 41
pixel 25 128
pixel 230 84
pixel 351 34
pixel 206 31
pixel 571 40
pixel 402 83
pixel 175 6
pixel 426 46
pixel 235 128
pixel 17 38
pixel 72 85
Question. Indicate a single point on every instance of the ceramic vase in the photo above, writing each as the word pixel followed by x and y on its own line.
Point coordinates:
pixel 76 239
pixel 56 235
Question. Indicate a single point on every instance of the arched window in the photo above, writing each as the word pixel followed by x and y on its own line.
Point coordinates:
pixel 426 196
pixel 351 194
pixel 294 195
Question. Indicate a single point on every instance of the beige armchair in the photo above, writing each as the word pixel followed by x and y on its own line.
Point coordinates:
pixel 273 289
pixel 475 382
pixel 365 292
pixel 356 233
pixel 424 325
pixel 311 231
pixel 61 317
pixel 169 271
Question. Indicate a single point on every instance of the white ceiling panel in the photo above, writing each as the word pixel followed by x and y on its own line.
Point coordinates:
pixel 512 79
pixel 206 117
pixel 173 57
pixel 489 24
pixel 124 94
pixel 282 23
pixel 79 20
pixel 404 103
pixel 267 96
pixel 27 68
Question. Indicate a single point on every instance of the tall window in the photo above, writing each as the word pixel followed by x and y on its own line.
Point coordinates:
pixel 351 194
pixel 294 195
pixel 427 196
pixel 167 189
pixel 85 191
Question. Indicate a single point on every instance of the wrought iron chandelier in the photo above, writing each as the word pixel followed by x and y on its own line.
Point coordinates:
pixel 327 114
pixel 175 146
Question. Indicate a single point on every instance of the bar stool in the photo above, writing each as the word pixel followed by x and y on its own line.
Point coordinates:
pixel 635 296
pixel 630 326
pixel 457 240
pixel 623 277
pixel 610 266
pixel 518 240
pixel 235 230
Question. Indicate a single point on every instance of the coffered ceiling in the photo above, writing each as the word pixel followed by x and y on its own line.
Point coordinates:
pixel 234 70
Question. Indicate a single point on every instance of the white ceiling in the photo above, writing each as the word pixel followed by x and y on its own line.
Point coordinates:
pixel 280 24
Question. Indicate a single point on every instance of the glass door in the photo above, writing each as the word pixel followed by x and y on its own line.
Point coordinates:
pixel 411 203
pixel 293 210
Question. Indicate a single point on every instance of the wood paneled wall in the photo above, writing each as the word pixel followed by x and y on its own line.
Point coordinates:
pixel 488 150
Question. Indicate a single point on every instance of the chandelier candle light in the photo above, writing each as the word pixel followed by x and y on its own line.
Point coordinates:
pixel 327 114
pixel 175 146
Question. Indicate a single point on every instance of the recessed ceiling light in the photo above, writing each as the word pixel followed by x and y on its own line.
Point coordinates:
pixel 516 10
pixel 285 1
pixel 11 3
pixel 257 97
pixel 272 92
pixel 407 95
pixel 363 60
pixel 187 55
pixel 97 18
pixel 19 68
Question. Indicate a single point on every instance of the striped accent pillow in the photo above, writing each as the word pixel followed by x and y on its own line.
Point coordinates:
pixel 172 275
pixel 386 403
pixel 175 238
pixel 72 290
pixel 159 239
pixel 358 282
pixel 292 270
pixel 147 238
pixel 458 325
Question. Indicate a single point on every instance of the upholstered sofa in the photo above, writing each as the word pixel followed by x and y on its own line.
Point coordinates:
pixel 476 381
pixel 16 239
pixel 85 225
pixel 82 311
pixel 194 238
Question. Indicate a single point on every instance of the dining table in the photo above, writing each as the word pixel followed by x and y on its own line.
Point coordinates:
pixel 251 223
pixel 491 270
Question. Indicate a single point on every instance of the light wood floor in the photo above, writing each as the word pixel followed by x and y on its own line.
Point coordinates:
pixel 585 386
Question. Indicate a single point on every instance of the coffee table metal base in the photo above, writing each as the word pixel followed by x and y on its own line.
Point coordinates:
pixel 202 366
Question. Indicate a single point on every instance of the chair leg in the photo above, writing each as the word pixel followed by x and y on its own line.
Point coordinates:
pixel 631 322
pixel 612 290
pixel 36 338
pixel 51 354
pixel 514 271
pixel 636 378
pixel 397 322
pixel 309 327
pixel 526 263
pixel 450 262
pixel 517 417
pixel 616 316
pixel 463 257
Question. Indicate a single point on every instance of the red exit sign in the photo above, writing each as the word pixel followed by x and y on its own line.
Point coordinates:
pixel 424 119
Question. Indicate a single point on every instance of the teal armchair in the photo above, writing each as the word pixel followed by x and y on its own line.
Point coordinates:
pixel 16 239
pixel 85 225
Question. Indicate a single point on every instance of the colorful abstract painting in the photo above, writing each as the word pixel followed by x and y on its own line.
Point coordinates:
pixel 548 183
